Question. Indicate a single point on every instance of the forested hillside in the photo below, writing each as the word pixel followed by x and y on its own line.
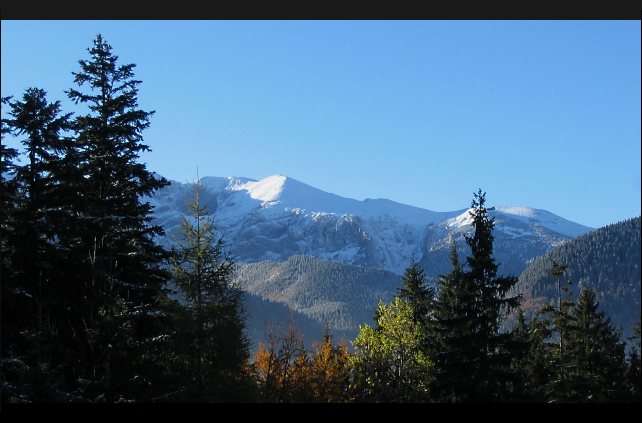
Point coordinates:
pixel 606 260
pixel 341 295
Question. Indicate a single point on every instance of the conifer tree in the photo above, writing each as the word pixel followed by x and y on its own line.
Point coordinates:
pixel 34 238
pixel 8 200
pixel 115 292
pixel 554 327
pixel 453 352
pixel 209 337
pixel 12 366
pixel 596 361
pixel 473 356
pixel 529 362
pixel 416 293
pixel 540 367
pixel 34 233
pixel 491 307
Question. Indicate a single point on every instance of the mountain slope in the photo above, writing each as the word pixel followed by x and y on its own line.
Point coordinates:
pixel 344 296
pixel 607 260
pixel 278 217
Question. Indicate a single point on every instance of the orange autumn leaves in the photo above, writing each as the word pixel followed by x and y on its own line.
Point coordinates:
pixel 286 372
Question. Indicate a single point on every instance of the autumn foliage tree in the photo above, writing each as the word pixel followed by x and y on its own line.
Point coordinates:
pixel 286 372
pixel 328 372
pixel 280 369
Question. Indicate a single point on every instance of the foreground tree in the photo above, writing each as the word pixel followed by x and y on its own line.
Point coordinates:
pixel 473 357
pixel 582 355
pixel 114 287
pixel 389 364
pixel 282 368
pixel 209 339
pixel 492 373
pixel 12 367
pixel 530 362
pixel 555 326
pixel 38 190
pixel 8 188
pixel 453 351
pixel 596 360
pixel 329 371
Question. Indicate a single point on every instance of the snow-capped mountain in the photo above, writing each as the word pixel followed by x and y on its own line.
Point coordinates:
pixel 278 217
pixel 521 234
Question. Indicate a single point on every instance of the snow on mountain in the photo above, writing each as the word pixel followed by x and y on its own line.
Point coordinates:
pixel 527 215
pixel 288 193
pixel 546 219
pixel 459 221
pixel 278 217
pixel 265 190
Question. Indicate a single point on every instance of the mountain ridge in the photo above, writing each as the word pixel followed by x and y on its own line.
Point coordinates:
pixel 276 217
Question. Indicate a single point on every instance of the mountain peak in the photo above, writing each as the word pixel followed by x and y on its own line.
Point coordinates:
pixel 265 190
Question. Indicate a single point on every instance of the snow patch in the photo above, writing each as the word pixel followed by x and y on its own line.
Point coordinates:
pixel 520 211
pixel 266 190
pixel 543 218
pixel 463 219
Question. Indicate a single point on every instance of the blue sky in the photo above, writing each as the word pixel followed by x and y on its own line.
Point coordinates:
pixel 543 114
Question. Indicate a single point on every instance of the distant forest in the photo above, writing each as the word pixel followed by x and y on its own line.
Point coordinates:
pixel 606 260
pixel 94 310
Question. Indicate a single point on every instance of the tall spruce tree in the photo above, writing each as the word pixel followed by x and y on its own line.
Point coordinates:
pixel 11 366
pixel 8 200
pixel 209 337
pixel 35 240
pixel 473 357
pixel 34 233
pixel 490 308
pixel 8 188
pixel 114 296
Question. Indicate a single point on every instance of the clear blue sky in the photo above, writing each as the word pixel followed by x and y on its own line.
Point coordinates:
pixel 543 114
